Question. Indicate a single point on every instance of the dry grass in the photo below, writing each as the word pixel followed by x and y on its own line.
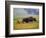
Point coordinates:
pixel 31 25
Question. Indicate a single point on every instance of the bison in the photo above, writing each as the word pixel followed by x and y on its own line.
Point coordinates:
pixel 30 19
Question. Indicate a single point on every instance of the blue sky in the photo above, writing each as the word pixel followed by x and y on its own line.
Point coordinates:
pixel 25 11
pixel 32 11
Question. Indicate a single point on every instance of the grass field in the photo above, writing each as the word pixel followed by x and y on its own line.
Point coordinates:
pixel 30 25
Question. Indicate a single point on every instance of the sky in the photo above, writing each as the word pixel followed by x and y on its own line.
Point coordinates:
pixel 25 11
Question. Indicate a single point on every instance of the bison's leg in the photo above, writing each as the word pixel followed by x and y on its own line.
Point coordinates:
pixel 34 19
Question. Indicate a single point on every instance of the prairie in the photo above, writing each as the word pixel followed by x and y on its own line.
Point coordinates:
pixel 31 25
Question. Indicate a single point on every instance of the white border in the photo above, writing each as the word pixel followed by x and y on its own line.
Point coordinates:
pixel 25 31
